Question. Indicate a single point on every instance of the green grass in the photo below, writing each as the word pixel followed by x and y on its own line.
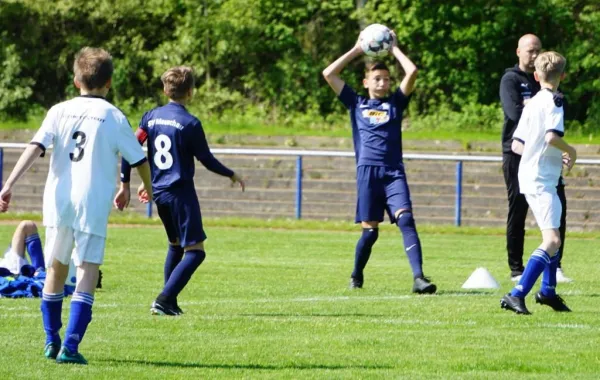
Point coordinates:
pixel 338 128
pixel 272 303
pixel 132 218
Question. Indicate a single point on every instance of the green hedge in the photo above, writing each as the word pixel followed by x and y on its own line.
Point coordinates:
pixel 267 55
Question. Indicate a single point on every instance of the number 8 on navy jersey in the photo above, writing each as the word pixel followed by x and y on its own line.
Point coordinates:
pixel 162 158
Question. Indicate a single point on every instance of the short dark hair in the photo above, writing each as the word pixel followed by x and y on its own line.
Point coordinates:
pixel 376 65
pixel 93 67
pixel 177 81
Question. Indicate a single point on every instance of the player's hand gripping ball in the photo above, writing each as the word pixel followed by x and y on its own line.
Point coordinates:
pixel 376 40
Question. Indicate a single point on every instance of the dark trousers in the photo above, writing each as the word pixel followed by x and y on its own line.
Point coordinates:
pixel 517 212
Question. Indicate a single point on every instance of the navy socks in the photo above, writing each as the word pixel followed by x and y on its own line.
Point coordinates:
pixel 181 275
pixel 412 244
pixel 174 256
pixel 363 251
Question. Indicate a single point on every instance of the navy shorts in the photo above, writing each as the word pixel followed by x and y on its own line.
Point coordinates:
pixel 179 211
pixel 380 189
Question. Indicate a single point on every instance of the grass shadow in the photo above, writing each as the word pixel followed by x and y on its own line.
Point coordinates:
pixel 490 292
pixel 274 367
pixel 312 315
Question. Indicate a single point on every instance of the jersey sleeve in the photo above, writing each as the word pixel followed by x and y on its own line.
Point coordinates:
pixel 401 100
pixel 555 120
pixel 128 145
pixel 141 137
pixel 520 133
pixel 348 97
pixel 46 135
pixel 510 97
pixel 203 154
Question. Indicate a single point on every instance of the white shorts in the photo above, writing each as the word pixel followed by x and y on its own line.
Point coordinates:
pixel 13 262
pixel 59 246
pixel 546 208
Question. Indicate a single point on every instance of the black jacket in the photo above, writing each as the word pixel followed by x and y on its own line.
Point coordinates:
pixel 516 86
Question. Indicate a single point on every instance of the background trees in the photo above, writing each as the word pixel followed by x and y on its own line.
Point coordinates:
pixel 268 54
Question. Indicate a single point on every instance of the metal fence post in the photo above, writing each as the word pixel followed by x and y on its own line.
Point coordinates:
pixel 299 187
pixel 458 206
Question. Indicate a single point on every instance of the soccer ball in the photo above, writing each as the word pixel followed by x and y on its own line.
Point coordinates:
pixel 72 277
pixel 376 40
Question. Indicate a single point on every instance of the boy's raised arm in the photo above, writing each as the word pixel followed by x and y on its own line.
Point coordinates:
pixel 410 69
pixel 332 72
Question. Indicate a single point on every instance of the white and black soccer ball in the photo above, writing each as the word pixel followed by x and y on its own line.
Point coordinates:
pixel 376 40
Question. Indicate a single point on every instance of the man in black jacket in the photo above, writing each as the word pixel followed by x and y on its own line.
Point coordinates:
pixel 516 88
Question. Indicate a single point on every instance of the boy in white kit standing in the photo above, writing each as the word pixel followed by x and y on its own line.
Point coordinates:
pixel 87 134
pixel 538 138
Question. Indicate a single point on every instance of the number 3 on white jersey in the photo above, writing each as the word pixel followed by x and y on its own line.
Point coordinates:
pixel 162 158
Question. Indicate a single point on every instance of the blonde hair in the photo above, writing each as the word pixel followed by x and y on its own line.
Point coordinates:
pixel 550 66
pixel 92 67
pixel 177 81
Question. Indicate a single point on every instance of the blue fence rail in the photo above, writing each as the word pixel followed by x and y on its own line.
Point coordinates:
pixel 459 159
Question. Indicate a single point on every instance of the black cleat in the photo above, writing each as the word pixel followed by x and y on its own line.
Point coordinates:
pixel 99 284
pixel 512 303
pixel 161 308
pixel 556 302
pixel 423 285
pixel 177 308
pixel 355 283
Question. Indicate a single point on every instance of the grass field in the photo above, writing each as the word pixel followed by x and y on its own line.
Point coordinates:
pixel 216 128
pixel 273 303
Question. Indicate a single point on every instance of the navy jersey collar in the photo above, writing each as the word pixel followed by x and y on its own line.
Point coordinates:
pixel 175 104
pixel 92 96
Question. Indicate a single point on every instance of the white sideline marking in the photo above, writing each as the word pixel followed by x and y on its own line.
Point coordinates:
pixel 319 318
pixel 101 305
pixel 565 325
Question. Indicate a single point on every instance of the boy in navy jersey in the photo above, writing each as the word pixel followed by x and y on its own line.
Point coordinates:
pixel 381 181
pixel 175 138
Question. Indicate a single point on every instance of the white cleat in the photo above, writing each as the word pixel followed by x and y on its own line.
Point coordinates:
pixel 516 278
pixel 560 277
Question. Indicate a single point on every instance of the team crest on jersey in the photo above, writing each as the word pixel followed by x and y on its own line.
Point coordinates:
pixel 376 116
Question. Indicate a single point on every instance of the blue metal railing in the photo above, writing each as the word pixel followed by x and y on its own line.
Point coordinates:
pixel 458 207
pixel 459 159
pixel 299 187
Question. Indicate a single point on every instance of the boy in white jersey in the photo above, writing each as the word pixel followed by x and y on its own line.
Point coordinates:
pixel 87 134
pixel 538 138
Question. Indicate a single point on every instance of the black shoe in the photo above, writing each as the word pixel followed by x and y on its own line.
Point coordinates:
pixel 556 302
pixel 161 308
pixel 99 284
pixel 177 308
pixel 355 283
pixel 517 272
pixel 512 303
pixel 423 285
